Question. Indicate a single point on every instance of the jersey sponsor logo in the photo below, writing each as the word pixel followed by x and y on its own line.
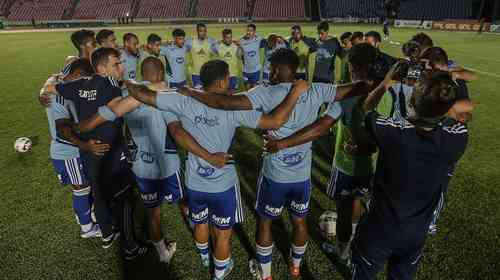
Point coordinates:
pixel 273 211
pixel 292 159
pixel 205 171
pixel 90 95
pixel 228 55
pixel 323 54
pixel 149 196
pixel 200 216
pixel 251 53
pixel 206 120
pixel 221 220
pixel 147 157
pixel 179 60
pixel 299 207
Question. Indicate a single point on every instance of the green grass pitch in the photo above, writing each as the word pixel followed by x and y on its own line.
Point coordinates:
pixel 39 237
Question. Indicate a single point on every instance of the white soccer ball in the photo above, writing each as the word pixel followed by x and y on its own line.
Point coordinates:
pixel 328 224
pixel 23 145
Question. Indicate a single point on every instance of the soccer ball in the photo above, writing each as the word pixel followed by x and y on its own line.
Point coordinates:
pixel 23 145
pixel 328 224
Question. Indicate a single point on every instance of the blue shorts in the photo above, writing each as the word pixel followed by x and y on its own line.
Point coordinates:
pixel 265 77
pixel 251 78
pixel 341 185
pixel 155 191
pixel 222 210
pixel 196 81
pixel 272 197
pixel 233 83
pixel 70 171
pixel 177 85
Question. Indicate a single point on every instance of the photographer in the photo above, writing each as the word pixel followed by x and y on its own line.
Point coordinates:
pixel 415 156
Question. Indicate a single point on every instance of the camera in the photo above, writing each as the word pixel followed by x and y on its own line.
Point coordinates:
pixel 412 68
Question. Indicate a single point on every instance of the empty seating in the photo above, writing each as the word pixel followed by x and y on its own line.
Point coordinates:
pixel 221 8
pixel 102 9
pixel 279 9
pixel 163 8
pixel 25 10
pixel 409 9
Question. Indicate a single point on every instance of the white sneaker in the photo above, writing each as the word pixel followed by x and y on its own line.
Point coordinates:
pixel 168 254
pixel 93 232
pixel 227 271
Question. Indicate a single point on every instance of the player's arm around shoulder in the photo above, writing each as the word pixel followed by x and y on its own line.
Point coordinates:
pixel 236 102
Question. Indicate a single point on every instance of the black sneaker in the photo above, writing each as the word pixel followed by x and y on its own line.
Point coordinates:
pixel 138 252
pixel 108 240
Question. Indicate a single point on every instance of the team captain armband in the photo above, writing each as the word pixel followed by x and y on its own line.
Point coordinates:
pixel 106 113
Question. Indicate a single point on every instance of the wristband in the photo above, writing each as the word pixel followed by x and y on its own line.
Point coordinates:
pixel 107 113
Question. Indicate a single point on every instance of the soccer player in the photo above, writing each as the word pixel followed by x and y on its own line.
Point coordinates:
pixel 424 40
pixel 461 112
pixel 327 50
pixel 88 95
pixel 213 193
pixel 351 173
pixel 66 156
pixel 357 38
pixel 201 49
pixel 228 51
pixel 175 53
pixel 345 40
pixel 130 55
pixel 251 44
pixel 414 159
pixel 285 179
pixel 107 39
pixel 155 161
pixel 303 46
pixel 273 43
pixel 85 43
pixel 387 24
pixel 383 62
pixel 152 48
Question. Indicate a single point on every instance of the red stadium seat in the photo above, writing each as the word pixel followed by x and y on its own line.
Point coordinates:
pixel 41 10
pixel 279 9
pixel 221 8
pixel 102 9
pixel 163 8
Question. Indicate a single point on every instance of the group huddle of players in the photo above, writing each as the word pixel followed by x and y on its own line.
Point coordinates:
pixel 118 116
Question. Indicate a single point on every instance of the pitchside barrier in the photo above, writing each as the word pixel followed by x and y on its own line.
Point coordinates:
pixel 426 24
pixel 460 25
pixel 495 28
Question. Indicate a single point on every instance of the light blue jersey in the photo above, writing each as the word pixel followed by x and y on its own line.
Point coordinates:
pixel 61 108
pixel 154 153
pixel 214 130
pixel 251 53
pixel 293 164
pixel 176 58
pixel 268 52
pixel 129 62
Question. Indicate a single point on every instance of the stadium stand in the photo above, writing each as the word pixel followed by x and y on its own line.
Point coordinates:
pixel 25 10
pixel 221 8
pixel 410 9
pixel 163 8
pixel 287 9
pixel 102 9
